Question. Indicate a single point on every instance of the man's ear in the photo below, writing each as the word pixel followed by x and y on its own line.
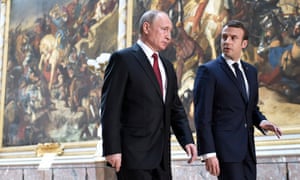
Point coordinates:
pixel 244 44
pixel 146 27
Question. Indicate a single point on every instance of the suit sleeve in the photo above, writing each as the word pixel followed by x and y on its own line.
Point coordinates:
pixel 180 124
pixel 204 87
pixel 257 116
pixel 179 120
pixel 111 103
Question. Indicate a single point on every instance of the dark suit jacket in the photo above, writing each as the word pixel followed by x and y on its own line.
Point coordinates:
pixel 135 120
pixel 224 118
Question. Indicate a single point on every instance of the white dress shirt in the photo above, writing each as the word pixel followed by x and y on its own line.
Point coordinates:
pixel 148 51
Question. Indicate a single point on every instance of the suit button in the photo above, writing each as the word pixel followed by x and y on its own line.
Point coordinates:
pixel 245 125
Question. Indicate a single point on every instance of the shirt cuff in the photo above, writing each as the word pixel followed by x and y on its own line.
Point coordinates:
pixel 263 130
pixel 208 155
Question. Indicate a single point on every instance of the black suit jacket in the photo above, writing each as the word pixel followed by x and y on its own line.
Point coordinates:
pixel 135 120
pixel 224 118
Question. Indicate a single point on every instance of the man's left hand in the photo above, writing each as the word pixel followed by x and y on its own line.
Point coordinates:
pixel 191 151
pixel 267 125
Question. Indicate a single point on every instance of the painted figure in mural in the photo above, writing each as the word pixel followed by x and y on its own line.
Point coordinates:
pixel 209 17
pixel 275 47
pixel 73 10
pixel 138 110
pixel 59 18
pixel 51 57
pixel 226 109
pixel 290 68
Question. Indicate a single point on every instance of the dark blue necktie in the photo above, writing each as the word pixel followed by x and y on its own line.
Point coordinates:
pixel 240 79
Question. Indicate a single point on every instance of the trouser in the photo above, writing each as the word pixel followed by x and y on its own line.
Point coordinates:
pixel 144 174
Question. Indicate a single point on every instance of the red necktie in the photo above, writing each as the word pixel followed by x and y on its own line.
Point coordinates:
pixel 157 71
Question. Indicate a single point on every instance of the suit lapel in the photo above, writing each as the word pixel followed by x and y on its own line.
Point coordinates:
pixel 145 64
pixel 249 79
pixel 169 80
pixel 231 75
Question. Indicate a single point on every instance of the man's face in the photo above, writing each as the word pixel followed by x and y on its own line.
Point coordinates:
pixel 158 34
pixel 296 31
pixel 232 42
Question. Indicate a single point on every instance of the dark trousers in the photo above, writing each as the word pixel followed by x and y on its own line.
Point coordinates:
pixel 245 170
pixel 144 174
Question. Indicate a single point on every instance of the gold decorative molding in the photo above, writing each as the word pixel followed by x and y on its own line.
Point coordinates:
pixel 129 23
pixel 42 149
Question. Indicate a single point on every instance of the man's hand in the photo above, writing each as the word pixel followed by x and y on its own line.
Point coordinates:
pixel 267 125
pixel 191 151
pixel 212 166
pixel 114 160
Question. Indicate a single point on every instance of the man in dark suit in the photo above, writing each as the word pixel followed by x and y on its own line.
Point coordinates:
pixel 139 109
pixel 226 110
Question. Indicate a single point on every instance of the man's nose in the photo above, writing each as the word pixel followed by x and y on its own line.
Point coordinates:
pixel 169 36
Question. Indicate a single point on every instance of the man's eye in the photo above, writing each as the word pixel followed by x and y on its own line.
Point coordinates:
pixel 234 37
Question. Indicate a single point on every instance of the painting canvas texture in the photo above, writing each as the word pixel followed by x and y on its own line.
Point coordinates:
pixel 52 93
pixel 273 47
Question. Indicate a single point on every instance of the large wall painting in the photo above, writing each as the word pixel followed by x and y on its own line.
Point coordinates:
pixel 52 93
pixel 274 47
pixel 56 53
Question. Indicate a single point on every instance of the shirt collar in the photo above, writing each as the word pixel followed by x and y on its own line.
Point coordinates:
pixel 230 61
pixel 148 51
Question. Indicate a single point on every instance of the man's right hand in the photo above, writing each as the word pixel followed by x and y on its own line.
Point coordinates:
pixel 114 160
pixel 212 166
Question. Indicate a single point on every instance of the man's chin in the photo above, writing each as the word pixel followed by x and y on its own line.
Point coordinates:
pixel 227 55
